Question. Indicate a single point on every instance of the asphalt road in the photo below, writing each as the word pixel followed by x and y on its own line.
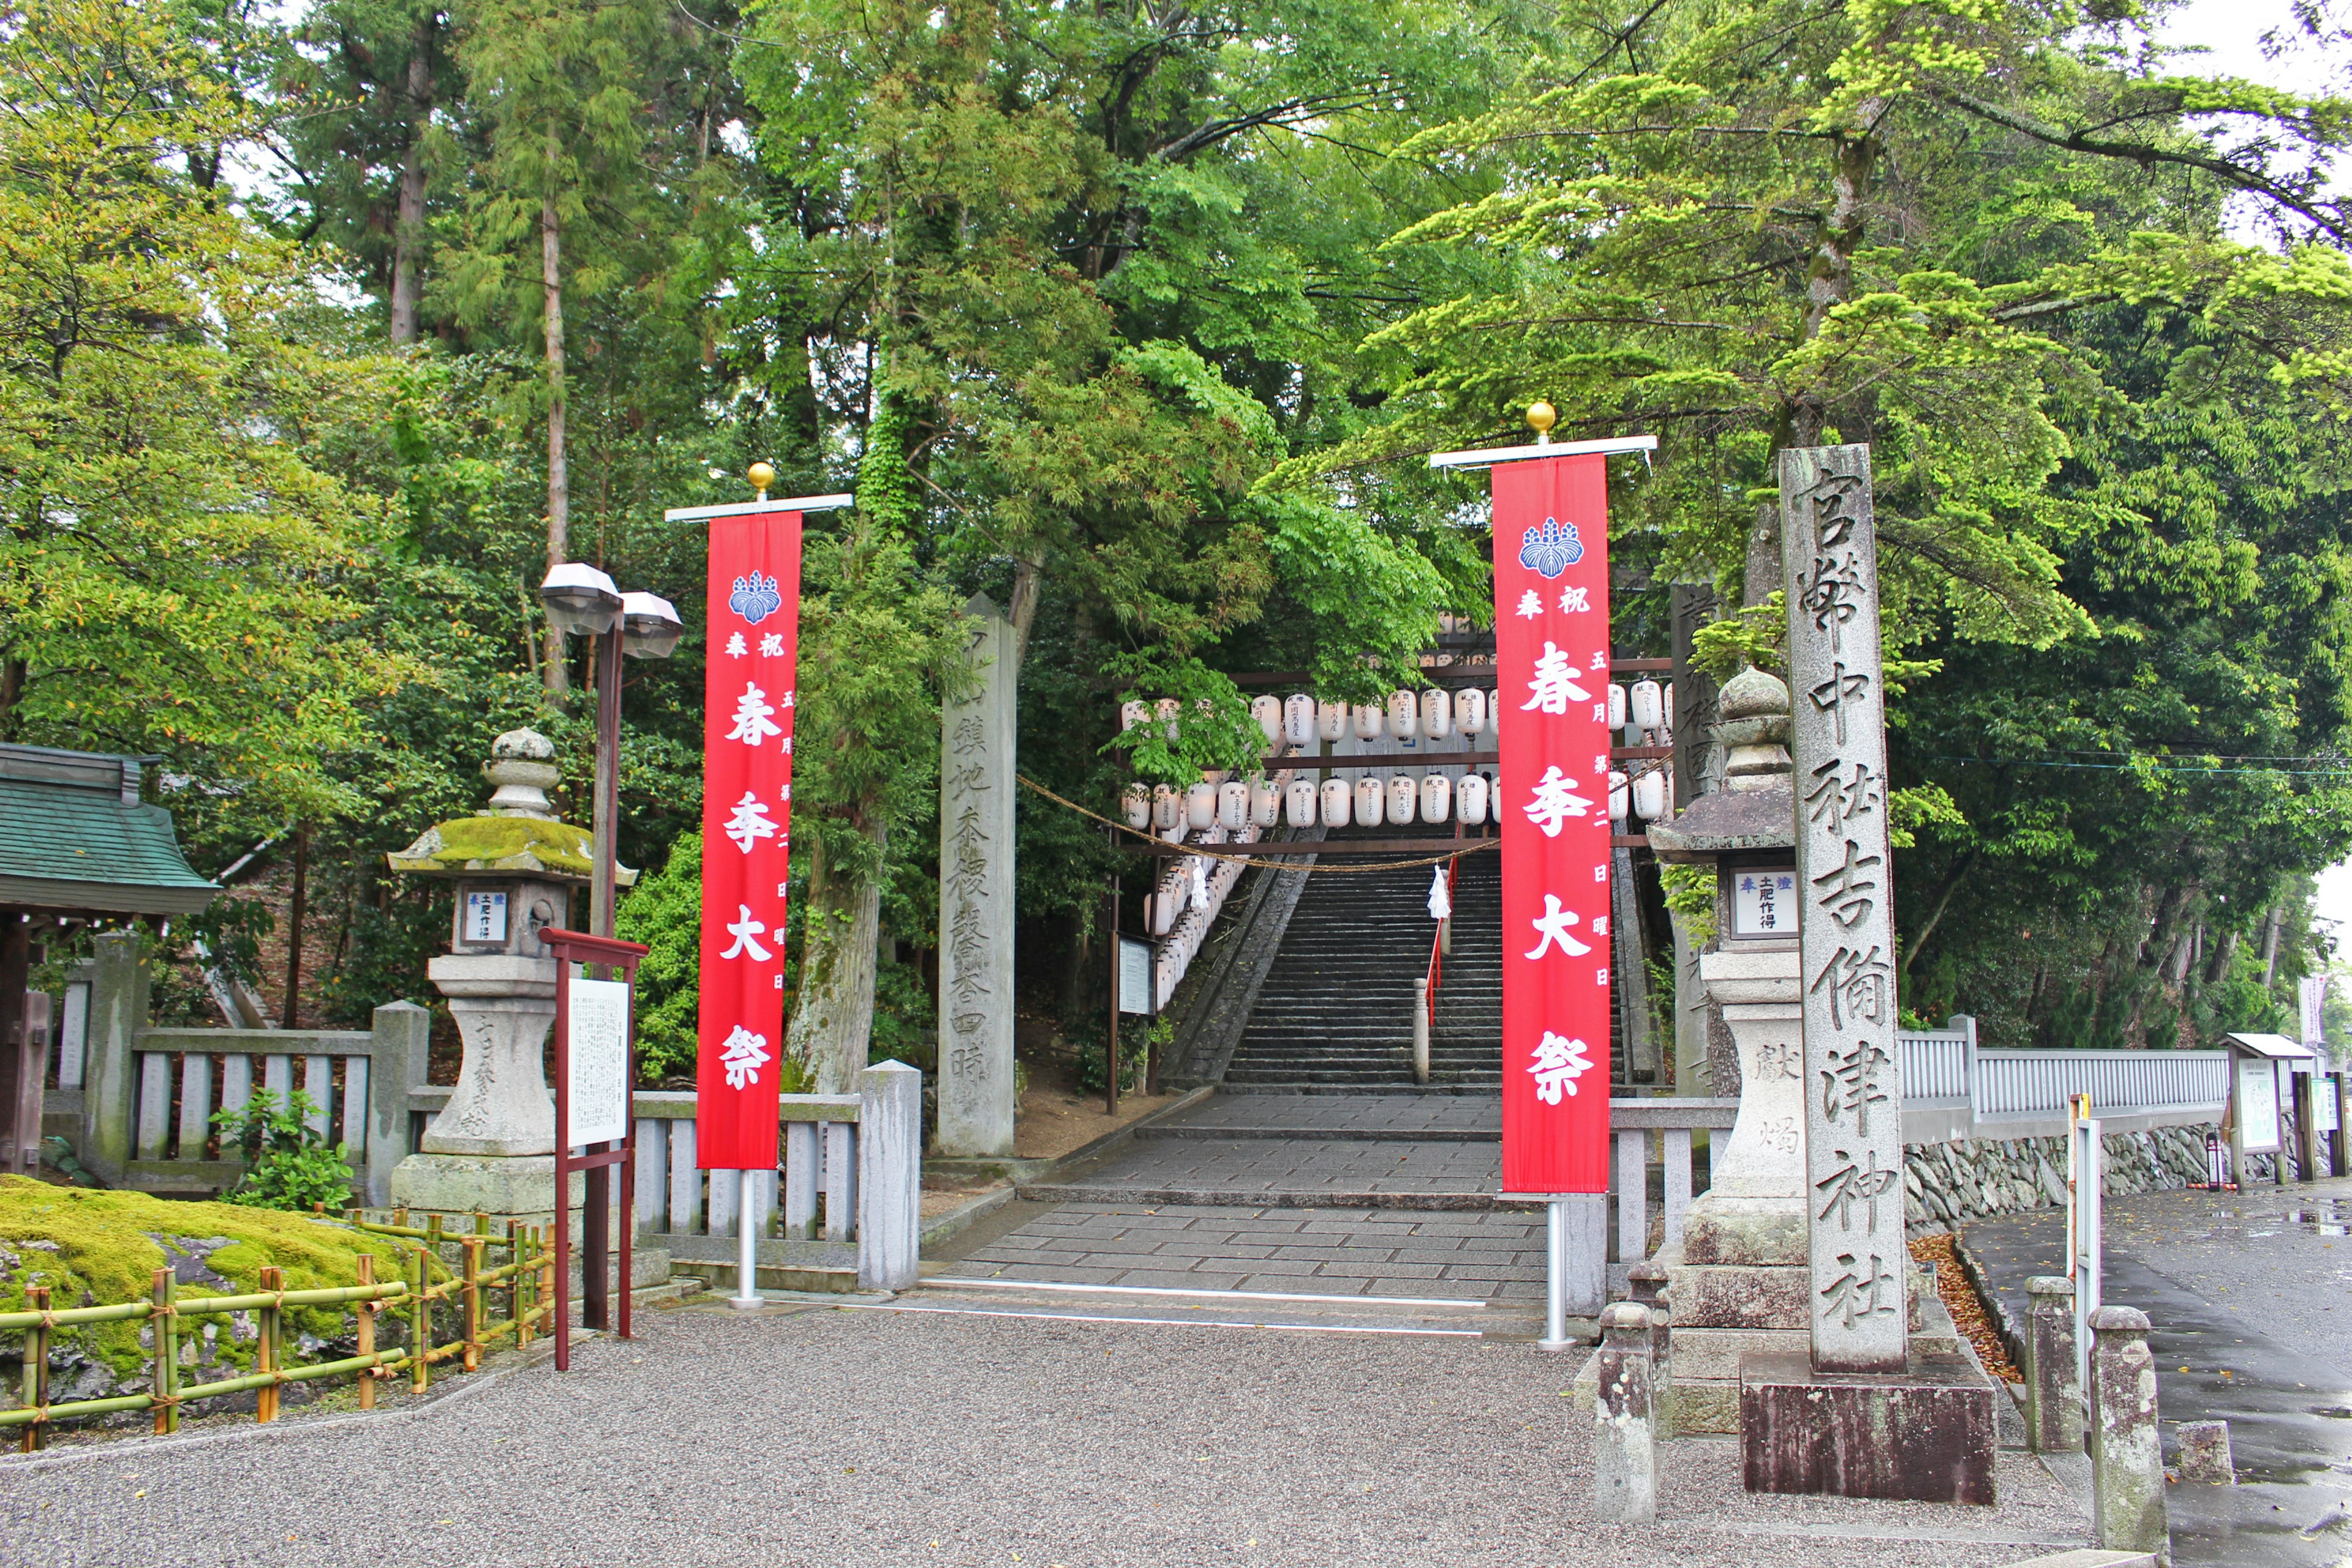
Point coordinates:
pixel 2251 1297
pixel 833 1435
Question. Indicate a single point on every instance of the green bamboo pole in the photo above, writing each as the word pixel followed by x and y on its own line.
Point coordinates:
pixel 473 1302
pixel 518 1293
pixel 36 1370
pixel 266 1357
pixel 167 1352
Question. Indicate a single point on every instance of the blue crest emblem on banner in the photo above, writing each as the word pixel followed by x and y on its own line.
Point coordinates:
pixel 1551 549
pixel 755 598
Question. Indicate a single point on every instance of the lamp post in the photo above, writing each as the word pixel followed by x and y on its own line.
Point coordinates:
pixel 580 601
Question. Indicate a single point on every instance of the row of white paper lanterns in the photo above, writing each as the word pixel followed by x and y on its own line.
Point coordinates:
pixel 1369 803
pixel 1301 719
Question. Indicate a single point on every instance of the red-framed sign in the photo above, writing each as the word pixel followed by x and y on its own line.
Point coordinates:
pixel 595 1072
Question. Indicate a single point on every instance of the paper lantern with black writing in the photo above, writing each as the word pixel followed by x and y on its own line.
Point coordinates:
pixel 1167 808
pixel 1404 715
pixel 1298 719
pixel 1130 714
pixel 1470 710
pixel 1137 801
pixel 1233 806
pixel 1268 712
pixel 1371 802
pixel 1331 720
pixel 1171 713
pixel 1436 798
pixel 1470 799
pixel 1618 706
pixel 1650 795
pixel 1404 793
pixel 1648 704
pixel 1436 714
pixel 1338 803
pixel 1371 721
pixel 1201 806
pixel 1620 795
pixel 1265 802
pixel 1301 803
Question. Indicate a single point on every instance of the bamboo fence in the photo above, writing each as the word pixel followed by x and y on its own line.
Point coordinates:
pixel 525 1281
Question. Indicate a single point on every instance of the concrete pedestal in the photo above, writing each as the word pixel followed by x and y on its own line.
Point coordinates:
pixel 1925 1434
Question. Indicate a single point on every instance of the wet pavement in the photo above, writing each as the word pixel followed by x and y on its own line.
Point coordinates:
pixel 2251 1296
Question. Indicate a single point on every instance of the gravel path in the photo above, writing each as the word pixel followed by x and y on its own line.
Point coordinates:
pixel 849 1436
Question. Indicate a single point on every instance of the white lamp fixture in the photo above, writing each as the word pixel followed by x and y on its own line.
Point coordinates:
pixel 1137 800
pixel 1301 803
pixel 1331 720
pixel 1650 795
pixel 1130 714
pixel 580 600
pixel 1200 805
pixel 1167 808
pixel 1265 803
pixel 1372 800
pixel 1620 795
pixel 649 626
pixel 1371 721
pixel 1617 706
pixel 1171 712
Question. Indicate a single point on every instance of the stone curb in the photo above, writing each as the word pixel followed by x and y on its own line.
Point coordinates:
pixel 1229 1198
pixel 1329 1134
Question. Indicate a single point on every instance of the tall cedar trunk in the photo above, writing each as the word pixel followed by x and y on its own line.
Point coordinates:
pixel 2225 952
pixel 2159 951
pixel 1953 875
pixel 1763 557
pixel 295 916
pixel 558 476
pixel 408 236
pixel 1028 583
pixel 2270 944
pixel 11 692
pixel 833 1022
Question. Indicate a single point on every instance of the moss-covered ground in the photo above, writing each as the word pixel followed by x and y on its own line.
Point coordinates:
pixel 95 1248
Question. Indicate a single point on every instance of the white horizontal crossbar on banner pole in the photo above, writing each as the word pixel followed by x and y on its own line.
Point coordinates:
pixel 747 509
pixel 1488 457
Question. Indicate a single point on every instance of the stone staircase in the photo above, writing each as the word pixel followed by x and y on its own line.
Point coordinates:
pixel 1335 1011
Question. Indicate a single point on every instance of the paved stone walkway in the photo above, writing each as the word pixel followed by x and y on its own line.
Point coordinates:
pixel 1476 1257
pixel 851 1437
pixel 1478 1116
pixel 2251 1296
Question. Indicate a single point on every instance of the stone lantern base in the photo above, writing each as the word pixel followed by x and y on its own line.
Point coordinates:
pixel 504 1187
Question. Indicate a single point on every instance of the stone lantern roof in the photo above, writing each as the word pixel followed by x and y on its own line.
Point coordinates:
pixel 518 832
pixel 1756 809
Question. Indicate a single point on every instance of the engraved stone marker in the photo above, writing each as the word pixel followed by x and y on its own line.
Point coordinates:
pixel 1853 1124
pixel 976 742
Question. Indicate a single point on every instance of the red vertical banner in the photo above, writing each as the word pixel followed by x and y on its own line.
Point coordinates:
pixel 1551 671
pixel 747 809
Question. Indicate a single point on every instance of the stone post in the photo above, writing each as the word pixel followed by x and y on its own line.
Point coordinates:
pixel 1626 1454
pixel 889 1176
pixel 2055 1410
pixel 118 1012
pixel 403 1040
pixel 1646 1283
pixel 2054 1398
pixel 2205 1454
pixel 2127 1508
pixel 1854 1098
pixel 977 736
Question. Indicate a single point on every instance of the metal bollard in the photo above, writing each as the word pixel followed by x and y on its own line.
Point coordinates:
pixel 2054 1400
pixel 1625 1451
pixel 2127 1452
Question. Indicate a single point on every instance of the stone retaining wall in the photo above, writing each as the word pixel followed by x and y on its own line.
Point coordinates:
pixel 1949 1184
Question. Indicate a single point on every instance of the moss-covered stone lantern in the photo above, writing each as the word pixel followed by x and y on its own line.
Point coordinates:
pixel 492 1147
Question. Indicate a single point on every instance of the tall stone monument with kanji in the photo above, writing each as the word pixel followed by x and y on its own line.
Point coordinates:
pixel 1861 1412
pixel 977 732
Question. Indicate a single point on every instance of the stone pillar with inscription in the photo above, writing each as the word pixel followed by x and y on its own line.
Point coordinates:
pixel 977 733
pixel 1861 1414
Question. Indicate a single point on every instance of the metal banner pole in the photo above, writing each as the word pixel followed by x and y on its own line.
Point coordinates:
pixel 563 1324
pixel 2083 1227
pixel 1555 1276
pixel 747 1285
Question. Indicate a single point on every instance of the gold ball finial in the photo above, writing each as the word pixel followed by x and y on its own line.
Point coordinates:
pixel 1542 416
pixel 761 476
